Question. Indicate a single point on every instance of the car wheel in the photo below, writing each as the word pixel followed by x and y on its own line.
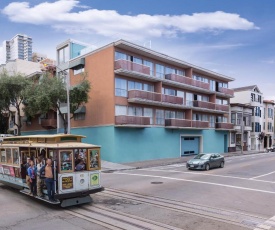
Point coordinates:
pixel 222 164
pixel 207 167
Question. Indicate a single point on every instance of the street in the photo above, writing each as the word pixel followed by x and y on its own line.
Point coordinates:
pixel 239 196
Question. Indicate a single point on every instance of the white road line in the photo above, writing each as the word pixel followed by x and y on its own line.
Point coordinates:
pixel 266 225
pixel 262 175
pixel 206 174
pixel 199 182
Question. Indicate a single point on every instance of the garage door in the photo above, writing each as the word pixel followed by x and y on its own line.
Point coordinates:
pixel 190 145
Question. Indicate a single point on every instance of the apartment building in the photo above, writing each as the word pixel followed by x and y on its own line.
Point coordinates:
pixel 240 136
pixel 146 105
pixel 19 47
pixel 268 122
pixel 251 95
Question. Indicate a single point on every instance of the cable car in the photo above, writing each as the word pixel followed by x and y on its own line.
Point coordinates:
pixel 71 187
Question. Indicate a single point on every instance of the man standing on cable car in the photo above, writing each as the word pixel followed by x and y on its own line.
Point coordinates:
pixel 48 172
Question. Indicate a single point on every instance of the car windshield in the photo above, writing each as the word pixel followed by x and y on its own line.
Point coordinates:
pixel 203 156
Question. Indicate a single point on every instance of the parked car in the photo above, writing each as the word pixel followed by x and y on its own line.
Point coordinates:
pixel 206 161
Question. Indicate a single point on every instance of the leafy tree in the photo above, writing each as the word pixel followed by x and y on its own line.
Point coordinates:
pixel 260 137
pixel 50 92
pixel 12 94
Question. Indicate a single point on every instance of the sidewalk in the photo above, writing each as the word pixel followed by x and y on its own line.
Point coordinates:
pixel 110 167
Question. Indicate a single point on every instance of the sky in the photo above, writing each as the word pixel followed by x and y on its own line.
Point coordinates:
pixel 232 37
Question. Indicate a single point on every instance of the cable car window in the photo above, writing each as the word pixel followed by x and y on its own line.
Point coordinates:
pixel 66 161
pixel 3 156
pixel 9 156
pixel 15 156
pixel 93 159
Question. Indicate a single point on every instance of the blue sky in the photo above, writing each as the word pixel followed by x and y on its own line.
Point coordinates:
pixel 231 37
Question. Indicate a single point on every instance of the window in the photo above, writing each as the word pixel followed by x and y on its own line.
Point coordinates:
pixel 135 111
pixel 120 87
pixel 200 78
pixel 159 117
pixel 257 111
pixel 180 72
pixel 134 85
pixel 180 115
pixel 239 119
pixel 264 126
pixel 252 96
pixel 197 117
pixel 79 116
pixel 270 113
pixel 221 101
pixel 63 55
pixel 171 92
pixel 151 65
pixel 147 112
pixel 259 98
pixel 257 127
pixel 212 121
pixel 169 70
pixel 159 71
pixel 223 85
pixel 233 138
pixel 120 110
pixel 204 117
pixel 189 99
pixel 120 56
pixel 233 118
pixel 148 87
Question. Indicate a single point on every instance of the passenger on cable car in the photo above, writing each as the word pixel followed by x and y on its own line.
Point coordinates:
pixel 27 165
pixel 80 166
pixel 47 171
pixel 32 175
pixel 39 180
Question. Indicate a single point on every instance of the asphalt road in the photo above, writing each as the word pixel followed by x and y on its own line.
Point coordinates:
pixel 237 197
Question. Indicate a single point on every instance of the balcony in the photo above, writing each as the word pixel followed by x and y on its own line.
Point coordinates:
pixel 204 104
pixel 49 123
pixel 131 66
pixel 226 91
pixel 172 99
pixel 200 124
pixel 224 108
pixel 221 125
pixel 144 95
pixel 187 81
pixel 132 120
pixel 172 122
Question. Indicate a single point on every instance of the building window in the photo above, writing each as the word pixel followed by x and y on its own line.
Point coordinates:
pixel 200 78
pixel 257 127
pixel 170 114
pixel 159 71
pixel 120 110
pixel 169 70
pixel 252 96
pixel 270 113
pixel 135 111
pixel 233 118
pixel 171 92
pixel 159 117
pixel 212 121
pixel 151 65
pixel 147 112
pixel 63 55
pixel 233 138
pixel 120 87
pixel 120 56
pixel 180 72
pixel 148 87
pixel 79 116
pixel 239 119
pixel 134 85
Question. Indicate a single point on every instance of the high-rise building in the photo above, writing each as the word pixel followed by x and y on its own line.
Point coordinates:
pixel 19 47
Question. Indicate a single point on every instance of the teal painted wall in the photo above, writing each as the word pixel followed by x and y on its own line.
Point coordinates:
pixel 123 145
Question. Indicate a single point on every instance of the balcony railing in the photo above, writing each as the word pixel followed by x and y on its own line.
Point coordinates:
pixel 132 120
pixel 131 66
pixel 224 108
pixel 187 81
pixel 221 125
pixel 49 123
pixel 200 124
pixel 226 91
pixel 172 122
pixel 204 104
pixel 172 99
pixel 146 95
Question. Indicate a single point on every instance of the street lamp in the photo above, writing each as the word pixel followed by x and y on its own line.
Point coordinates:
pixel 67 77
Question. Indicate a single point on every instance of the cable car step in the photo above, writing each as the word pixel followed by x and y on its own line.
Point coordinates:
pixel 27 192
pixel 76 201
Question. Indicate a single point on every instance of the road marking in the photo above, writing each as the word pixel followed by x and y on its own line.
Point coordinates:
pixel 195 181
pixel 206 174
pixel 268 224
pixel 262 175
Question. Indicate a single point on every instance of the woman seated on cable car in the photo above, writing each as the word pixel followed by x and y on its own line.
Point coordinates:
pixel 80 166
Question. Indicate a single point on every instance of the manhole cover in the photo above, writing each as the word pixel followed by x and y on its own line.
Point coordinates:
pixel 156 182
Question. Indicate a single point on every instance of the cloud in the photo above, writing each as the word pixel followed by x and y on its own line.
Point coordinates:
pixel 63 15
pixel 270 61
pixel 2 60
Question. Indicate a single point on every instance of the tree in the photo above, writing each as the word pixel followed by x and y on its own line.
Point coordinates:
pixel 12 94
pixel 261 137
pixel 50 92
